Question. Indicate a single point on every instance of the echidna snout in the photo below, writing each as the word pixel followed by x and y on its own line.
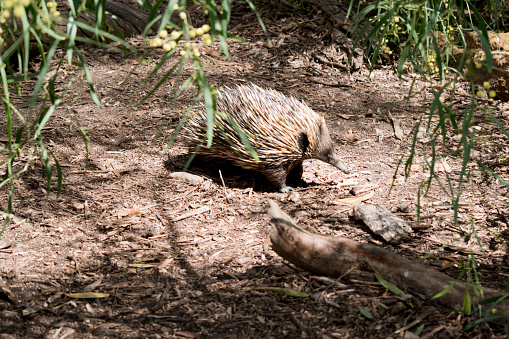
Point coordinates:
pixel 333 160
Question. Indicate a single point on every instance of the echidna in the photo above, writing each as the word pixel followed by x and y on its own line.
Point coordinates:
pixel 283 131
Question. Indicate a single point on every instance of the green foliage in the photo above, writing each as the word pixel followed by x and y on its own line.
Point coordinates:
pixel 429 38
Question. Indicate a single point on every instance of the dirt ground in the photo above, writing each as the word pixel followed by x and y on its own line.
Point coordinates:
pixel 184 260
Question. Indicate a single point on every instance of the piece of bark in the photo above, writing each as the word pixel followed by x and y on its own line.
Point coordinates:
pixel 336 257
pixel 382 222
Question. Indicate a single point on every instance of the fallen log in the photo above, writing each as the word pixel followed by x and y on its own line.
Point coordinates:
pixel 337 257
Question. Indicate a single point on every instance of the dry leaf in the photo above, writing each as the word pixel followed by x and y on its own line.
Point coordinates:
pixel 87 295
pixel 78 205
pixel 211 52
pixel 444 167
pixel 165 263
pixel 94 285
pixel 129 212
pixel 153 264
pixel 415 168
pixel 353 201
pixel 4 244
pixel 142 112
pixel 350 135
pixel 462 249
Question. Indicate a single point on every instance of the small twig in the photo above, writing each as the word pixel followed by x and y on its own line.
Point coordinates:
pixel 224 186
pixel 327 62
pixel 100 217
pixel 200 210
pixel 103 171
pixel 184 195
pixel 162 301
pixel 432 333
pixel 322 82
pixel 163 221
pixel 404 328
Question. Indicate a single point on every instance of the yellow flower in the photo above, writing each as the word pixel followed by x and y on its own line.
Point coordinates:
pixel 207 40
pixel 163 34
pixel 175 35
pixel 157 42
pixel 9 4
pixel 18 11
pixel 183 15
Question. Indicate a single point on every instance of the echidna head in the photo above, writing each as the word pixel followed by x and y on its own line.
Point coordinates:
pixel 320 146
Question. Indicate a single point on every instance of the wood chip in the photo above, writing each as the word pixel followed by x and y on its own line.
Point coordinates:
pixel 200 210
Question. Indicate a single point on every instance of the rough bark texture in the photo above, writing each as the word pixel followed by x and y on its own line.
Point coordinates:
pixel 129 21
pixel 338 256
pixel 382 222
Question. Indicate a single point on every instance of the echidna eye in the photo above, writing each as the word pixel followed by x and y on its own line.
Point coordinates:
pixel 303 142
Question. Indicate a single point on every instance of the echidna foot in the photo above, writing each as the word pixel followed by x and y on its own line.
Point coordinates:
pixel 285 189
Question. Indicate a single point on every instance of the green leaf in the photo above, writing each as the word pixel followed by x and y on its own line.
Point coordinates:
pixel 390 286
pixel 47 164
pixel 262 25
pixel 285 291
pixel 163 79
pixel 442 293
pixel 89 78
pixel 484 38
pixel 59 174
pixel 365 312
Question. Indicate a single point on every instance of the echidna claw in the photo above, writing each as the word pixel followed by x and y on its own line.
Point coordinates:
pixel 285 189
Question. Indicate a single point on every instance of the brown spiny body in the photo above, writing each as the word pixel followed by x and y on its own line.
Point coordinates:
pixel 282 130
